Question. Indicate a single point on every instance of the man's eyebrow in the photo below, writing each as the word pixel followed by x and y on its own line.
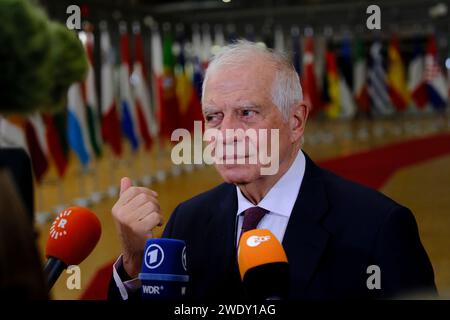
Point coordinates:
pixel 248 106
pixel 209 109
pixel 244 105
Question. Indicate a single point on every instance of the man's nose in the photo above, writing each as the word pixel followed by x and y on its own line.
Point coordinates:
pixel 230 123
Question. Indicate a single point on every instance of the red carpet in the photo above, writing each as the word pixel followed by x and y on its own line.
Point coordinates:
pixel 371 168
pixel 98 287
pixel 374 167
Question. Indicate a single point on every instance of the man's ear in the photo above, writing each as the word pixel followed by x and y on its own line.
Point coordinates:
pixel 297 121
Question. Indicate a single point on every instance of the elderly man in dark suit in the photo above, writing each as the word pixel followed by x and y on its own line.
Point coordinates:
pixel 332 230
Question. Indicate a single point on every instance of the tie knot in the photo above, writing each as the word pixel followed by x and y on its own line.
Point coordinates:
pixel 252 216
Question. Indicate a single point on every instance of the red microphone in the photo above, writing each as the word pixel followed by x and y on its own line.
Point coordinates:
pixel 73 235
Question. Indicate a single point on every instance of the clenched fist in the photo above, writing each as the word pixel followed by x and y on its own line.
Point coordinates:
pixel 136 214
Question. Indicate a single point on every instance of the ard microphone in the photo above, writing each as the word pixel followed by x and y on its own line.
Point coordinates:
pixel 73 235
pixel 263 266
pixel 164 272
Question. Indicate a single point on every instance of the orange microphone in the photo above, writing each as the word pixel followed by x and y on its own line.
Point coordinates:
pixel 73 235
pixel 263 265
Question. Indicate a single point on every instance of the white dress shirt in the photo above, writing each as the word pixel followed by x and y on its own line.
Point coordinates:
pixel 279 202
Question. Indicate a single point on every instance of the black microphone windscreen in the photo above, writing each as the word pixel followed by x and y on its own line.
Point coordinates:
pixel 267 281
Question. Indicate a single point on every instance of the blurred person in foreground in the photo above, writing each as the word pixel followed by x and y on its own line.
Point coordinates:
pixel 21 275
pixel 331 229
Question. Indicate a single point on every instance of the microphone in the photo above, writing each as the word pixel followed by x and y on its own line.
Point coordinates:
pixel 164 271
pixel 73 235
pixel 263 266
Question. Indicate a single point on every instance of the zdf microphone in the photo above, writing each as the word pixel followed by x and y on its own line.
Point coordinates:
pixel 73 235
pixel 164 271
pixel 263 266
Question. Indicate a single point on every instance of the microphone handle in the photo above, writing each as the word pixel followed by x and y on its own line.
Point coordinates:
pixel 53 269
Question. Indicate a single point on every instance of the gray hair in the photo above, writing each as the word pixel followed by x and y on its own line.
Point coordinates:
pixel 286 88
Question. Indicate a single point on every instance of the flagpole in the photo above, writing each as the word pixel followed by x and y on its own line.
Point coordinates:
pixel 133 166
pixel 41 216
pixel 96 195
pixel 61 202
pixel 146 167
pixel 158 70
pixel 112 189
pixel 160 173
pixel 82 200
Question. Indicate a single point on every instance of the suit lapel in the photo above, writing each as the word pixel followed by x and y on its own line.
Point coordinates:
pixel 220 235
pixel 305 239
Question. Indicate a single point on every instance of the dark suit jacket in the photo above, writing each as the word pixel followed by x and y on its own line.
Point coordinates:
pixel 336 230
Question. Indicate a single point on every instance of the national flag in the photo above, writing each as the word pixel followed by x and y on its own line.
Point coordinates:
pixel 396 77
pixel 197 84
pixel 198 71
pixel 168 108
pixel 90 94
pixel 141 89
pixel 360 77
pixel 309 84
pixel 197 78
pixel 416 80
pixel 345 62
pixel 183 81
pixel 332 109
pixel 377 85
pixel 232 35
pixel 347 103
pixel 28 134
pixel 128 107
pixel 111 131
pixel 197 45
pixel 447 65
pixel 437 89
pixel 297 52
pixel 77 128
pixel 279 39
pixel 60 123
pixel 55 145
pixel 219 37
pixel 186 71
pixel 324 94
pixel 37 145
pixel 320 48
pixel 158 74
pixel 206 46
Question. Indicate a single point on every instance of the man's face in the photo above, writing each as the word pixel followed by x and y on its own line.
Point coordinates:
pixel 239 97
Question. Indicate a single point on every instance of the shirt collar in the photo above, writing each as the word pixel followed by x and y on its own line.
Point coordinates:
pixel 282 196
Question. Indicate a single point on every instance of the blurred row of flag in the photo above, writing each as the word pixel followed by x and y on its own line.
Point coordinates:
pixel 339 80
pixel 126 112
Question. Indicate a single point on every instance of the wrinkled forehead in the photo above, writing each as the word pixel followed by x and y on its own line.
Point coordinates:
pixel 246 77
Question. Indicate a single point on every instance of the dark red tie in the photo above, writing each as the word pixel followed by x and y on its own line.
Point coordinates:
pixel 252 216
